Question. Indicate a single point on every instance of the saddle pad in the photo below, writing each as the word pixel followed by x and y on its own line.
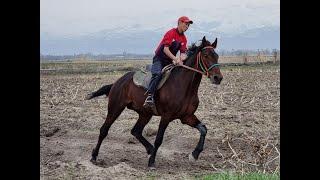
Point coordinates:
pixel 142 78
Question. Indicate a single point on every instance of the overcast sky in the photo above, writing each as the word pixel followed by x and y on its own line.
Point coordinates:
pixel 75 17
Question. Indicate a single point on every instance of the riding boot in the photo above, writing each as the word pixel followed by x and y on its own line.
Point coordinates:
pixel 155 79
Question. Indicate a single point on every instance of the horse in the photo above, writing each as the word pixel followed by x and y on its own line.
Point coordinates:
pixel 176 99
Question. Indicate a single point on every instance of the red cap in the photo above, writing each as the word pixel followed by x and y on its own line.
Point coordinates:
pixel 185 19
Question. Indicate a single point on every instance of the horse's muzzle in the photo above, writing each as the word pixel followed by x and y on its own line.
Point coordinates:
pixel 216 79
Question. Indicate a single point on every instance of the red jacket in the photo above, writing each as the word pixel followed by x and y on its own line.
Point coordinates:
pixel 169 37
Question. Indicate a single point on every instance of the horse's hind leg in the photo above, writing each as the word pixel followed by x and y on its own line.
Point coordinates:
pixel 113 114
pixel 137 131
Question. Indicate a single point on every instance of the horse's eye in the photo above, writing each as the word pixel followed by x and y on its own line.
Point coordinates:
pixel 205 55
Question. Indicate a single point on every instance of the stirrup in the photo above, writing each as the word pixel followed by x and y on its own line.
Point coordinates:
pixel 149 102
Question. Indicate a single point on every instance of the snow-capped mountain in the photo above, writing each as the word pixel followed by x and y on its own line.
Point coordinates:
pixel 143 40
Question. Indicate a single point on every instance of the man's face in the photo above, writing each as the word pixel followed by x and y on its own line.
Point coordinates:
pixel 183 26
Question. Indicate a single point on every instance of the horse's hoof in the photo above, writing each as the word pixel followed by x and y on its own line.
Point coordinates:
pixel 89 96
pixel 191 158
pixel 152 167
pixel 93 160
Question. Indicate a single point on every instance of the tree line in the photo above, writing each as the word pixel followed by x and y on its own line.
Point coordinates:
pixel 125 55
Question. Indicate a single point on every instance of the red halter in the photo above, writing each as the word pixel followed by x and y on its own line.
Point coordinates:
pixel 205 70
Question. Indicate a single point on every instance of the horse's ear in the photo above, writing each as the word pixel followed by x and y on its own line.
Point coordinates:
pixel 204 40
pixel 214 44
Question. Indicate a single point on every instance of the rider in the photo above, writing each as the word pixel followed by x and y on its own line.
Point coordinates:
pixel 173 41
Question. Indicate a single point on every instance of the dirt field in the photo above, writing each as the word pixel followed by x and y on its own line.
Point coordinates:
pixel 242 116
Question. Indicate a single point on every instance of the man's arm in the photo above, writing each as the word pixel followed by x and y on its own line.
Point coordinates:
pixel 170 55
pixel 183 49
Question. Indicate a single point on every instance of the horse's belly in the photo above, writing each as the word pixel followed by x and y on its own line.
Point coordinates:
pixel 179 106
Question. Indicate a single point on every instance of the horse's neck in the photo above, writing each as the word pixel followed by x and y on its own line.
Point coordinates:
pixel 191 79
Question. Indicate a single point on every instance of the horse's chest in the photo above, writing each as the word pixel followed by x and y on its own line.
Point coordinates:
pixel 194 104
pixel 191 106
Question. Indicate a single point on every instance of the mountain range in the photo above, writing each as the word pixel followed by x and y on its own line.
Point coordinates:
pixel 139 40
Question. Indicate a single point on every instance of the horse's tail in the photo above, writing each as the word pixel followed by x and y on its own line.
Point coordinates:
pixel 104 90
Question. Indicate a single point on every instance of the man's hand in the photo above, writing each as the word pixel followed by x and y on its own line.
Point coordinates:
pixel 183 56
pixel 177 61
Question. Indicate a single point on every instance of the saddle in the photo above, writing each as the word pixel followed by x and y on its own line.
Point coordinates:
pixel 142 77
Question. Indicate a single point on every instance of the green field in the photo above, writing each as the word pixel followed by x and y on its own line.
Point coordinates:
pixel 239 176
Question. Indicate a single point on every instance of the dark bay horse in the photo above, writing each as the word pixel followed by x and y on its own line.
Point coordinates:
pixel 177 99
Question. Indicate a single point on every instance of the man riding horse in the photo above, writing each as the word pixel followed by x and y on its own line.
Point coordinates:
pixel 182 86
pixel 173 41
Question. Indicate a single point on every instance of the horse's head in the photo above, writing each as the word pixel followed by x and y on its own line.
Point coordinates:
pixel 207 60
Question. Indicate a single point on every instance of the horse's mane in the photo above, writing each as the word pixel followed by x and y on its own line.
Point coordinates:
pixel 192 49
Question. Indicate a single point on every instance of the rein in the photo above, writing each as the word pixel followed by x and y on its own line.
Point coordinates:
pixel 203 65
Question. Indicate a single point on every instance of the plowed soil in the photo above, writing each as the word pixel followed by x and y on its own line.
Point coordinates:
pixel 242 116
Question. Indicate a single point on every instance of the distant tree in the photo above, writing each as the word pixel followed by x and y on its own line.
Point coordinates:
pixel 267 51
pixel 238 52
pixel 222 52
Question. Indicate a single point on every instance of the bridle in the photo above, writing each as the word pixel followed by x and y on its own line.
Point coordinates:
pixel 203 65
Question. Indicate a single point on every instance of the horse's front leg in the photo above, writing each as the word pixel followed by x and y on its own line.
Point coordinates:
pixel 193 121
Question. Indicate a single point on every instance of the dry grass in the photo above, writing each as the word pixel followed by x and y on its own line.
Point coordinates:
pixel 242 116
